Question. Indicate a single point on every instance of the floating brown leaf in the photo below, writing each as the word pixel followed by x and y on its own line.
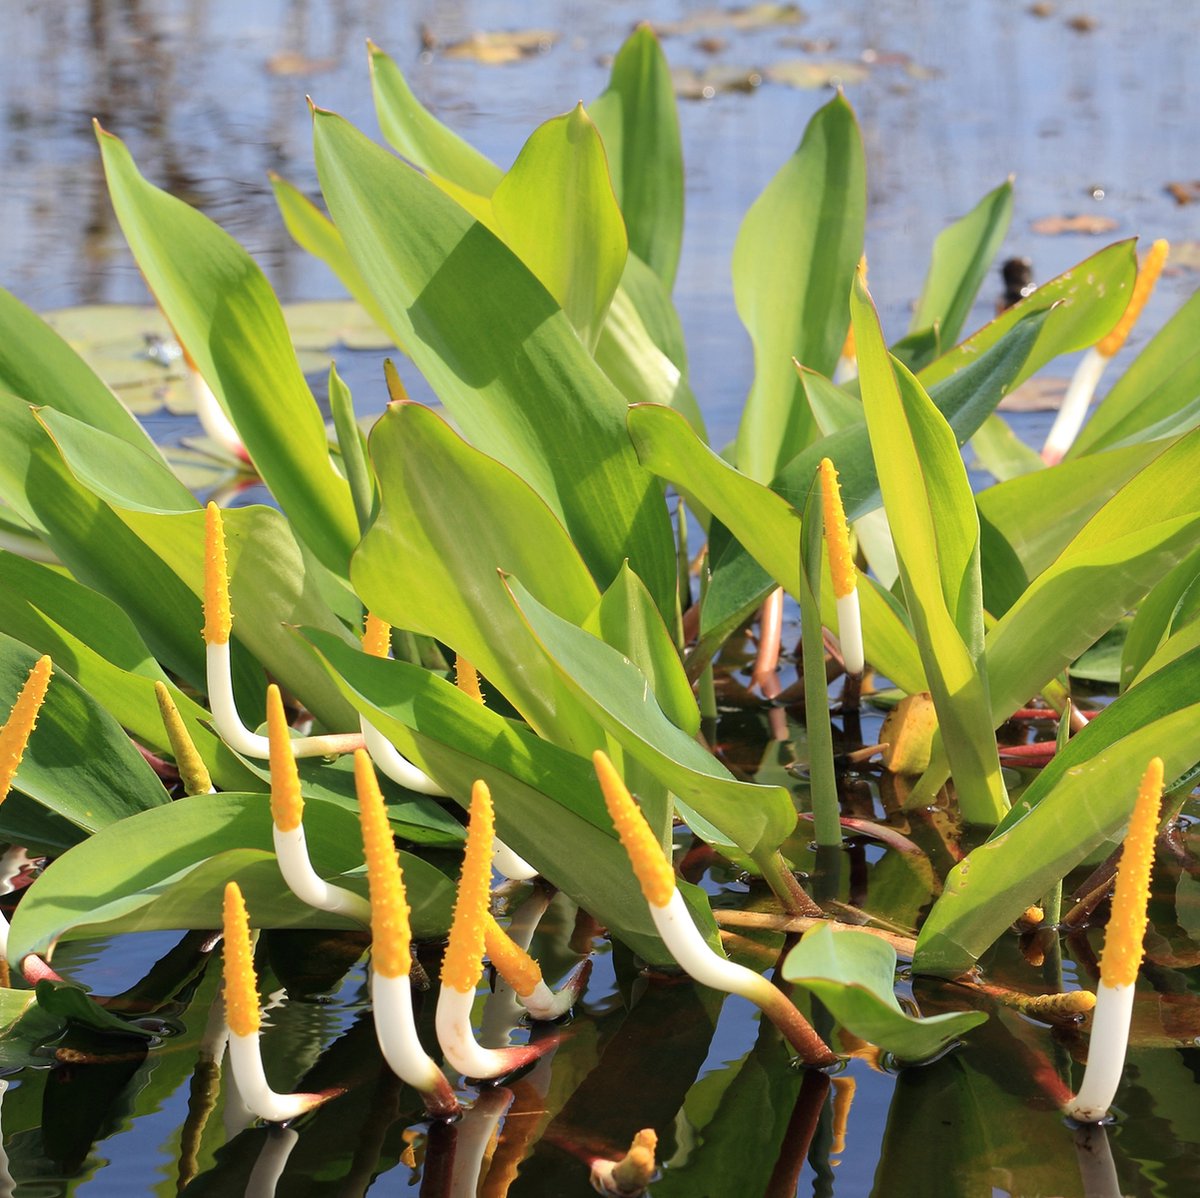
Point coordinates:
pixel 499 48
pixel 691 84
pixel 293 62
pixel 807 73
pixel 1087 222
pixel 753 16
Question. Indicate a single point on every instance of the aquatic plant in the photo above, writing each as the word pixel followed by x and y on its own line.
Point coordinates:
pixel 533 539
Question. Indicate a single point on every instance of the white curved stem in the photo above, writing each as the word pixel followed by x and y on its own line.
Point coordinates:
pixel 229 724
pixel 546 1004
pixel 291 850
pixel 245 1060
pixel 1073 410
pixel 463 1051
pixel 509 864
pixel 850 633
pixel 397 767
pixel 396 1031
pixel 1106 1054
pixel 212 417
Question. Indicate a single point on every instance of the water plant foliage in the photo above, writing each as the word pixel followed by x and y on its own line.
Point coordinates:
pixel 532 526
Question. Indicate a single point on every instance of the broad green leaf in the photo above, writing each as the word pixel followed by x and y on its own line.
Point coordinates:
pixel 1159 391
pixel 616 693
pixel 854 976
pixel 833 407
pixel 793 264
pixel 1003 454
pixel 1134 539
pixel 92 639
pixel 769 528
pixel 1076 805
pixel 1087 301
pixel 87 537
pixel 639 125
pixel 555 209
pixel 313 231
pixel 271 581
pixel 37 365
pixel 167 868
pixel 70 1002
pixel 419 136
pixel 962 256
pixel 228 319
pixel 935 527
pixel 79 763
pixel 627 619
pixel 1156 615
pixel 500 355
pixel 548 803
pixel 449 519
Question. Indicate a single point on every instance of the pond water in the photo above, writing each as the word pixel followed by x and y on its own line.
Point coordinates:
pixel 1092 106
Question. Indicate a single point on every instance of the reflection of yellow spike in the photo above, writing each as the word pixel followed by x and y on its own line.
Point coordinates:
pixel 837 535
pixel 218 621
pixel 241 986
pixel 1122 954
pixel 466 678
pixel 287 804
pixel 464 954
pixel 512 962
pixel 1147 276
pixel 1056 1006
pixel 635 1171
pixel 22 720
pixel 843 1097
pixel 391 933
pixel 377 636
pixel 651 866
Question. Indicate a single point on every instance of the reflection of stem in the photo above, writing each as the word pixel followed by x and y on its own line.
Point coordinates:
pixel 272 1160
pixel 7 1184
pixel 785 1177
pixel 765 674
pixel 475 1131
pixel 1096 1166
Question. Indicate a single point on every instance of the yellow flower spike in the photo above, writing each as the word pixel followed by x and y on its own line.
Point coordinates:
pixel 244 1020
pixel 18 728
pixel 1122 956
pixel 653 870
pixel 1073 409
pixel 1143 288
pixel 377 636
pixel 847 363
pixel 391 932
pixel 466 678
pixel 241 984
pixel 843 570
pixel 287 804
pixel 193 773
pixel 679 933
pixel 218 619
pixel 837 533
pixel 463 961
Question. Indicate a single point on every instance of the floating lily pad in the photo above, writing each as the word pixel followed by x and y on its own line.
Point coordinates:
pixel 691 84
pixel 752 16
pixel 1085 222
pixel 501 48
pixel 809 73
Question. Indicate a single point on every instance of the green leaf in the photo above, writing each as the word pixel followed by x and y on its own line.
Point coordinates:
pixel 419 136
pixel 616 693
pixel 313 231
pixel 769 528
pixel 793 264
pixel 500 355
pixel 353 447
pixel 37 365
pixel 935 527
pixel 1086 301
pixel 639 125
pixel 627 619
pixel 1134 539
pixel 450 517
pixel 167 868
pixel 548 803
pixel 1076 805
pixel 962 256
pixel 225 314
pixel 556 210
pixel 854 975
pixel 79 763
pixel 1155 616
pixel 70 1002
pixel 1158 394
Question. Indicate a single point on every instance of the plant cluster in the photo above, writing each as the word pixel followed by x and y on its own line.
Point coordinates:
pixel 526 530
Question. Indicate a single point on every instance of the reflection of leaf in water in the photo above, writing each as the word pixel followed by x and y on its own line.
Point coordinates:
pixel 499 48
pixel 813 73
pixel 691 84
pixel 1085 222
pixel 753 16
